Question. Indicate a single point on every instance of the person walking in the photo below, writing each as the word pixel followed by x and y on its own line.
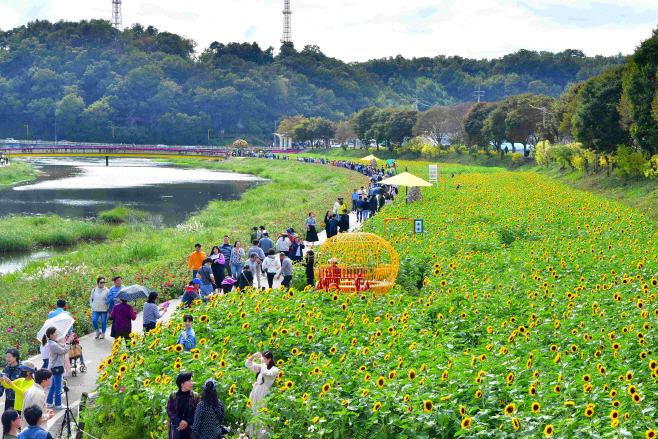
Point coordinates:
pixel 332 230
pixel 254 234
pixel 36 394
pixel 373 205
pixel 151 312
pixel 297 249
pixel 246 278
pixel 57 353
pixel 111 299
pixel 196 260
pixel 181 407
pixel 265 243
pixel 207 279
pixel 99 307
pixel 266 374
pixel 361 214
pixel 226 249
pixel 283 243
pixel 309 265
pixel 337 205
pixel 327 218
pixel 286 270
pixel 344 222
pixel 257 272
pixel 187 337
pixel 209 414
pixel 311 232
pixel 271 265
pixel 20 385
pixel 237 259
pixel 13 372
pixel 122 315
pixel 355 197
pixel 218 266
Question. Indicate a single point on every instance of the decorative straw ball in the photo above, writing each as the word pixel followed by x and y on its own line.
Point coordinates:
pixel 352 261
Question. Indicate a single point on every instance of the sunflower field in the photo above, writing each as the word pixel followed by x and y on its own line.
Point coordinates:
pixel 528 310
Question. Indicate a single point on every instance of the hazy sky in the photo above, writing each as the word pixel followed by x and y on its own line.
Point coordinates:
pixel 363 29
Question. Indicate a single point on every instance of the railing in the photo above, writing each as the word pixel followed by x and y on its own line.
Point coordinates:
pixel 112 149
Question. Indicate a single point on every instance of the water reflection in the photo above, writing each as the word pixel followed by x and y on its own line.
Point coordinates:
pixel 81 188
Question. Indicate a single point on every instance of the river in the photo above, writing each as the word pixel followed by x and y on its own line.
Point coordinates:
pixel 83 188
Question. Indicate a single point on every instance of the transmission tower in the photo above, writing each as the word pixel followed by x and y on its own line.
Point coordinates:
pixel 478 93
pixel 117 21
pixel 287 35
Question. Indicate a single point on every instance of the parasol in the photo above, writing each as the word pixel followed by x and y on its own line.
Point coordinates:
pixel 62 322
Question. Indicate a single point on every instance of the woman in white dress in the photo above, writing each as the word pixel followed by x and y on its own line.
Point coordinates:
pixel 266 373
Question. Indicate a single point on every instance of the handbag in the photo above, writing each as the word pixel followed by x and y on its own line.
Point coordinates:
pixel 75 351
pixel 57 370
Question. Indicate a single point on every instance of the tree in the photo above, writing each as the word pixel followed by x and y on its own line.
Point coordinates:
pixel 70 112
pixel 494 128
pixel 474 124
pixel 400 125
pixel 345 132
pixel 435 124
pixel 597 122
pixel 363 122
pixel 640 94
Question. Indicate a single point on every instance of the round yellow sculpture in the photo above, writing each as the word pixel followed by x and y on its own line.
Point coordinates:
pixel 240 143
pixel 355 262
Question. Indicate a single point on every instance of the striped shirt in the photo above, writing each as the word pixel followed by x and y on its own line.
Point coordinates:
pixel 151 314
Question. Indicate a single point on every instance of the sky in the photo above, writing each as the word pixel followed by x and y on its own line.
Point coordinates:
pixel 359 30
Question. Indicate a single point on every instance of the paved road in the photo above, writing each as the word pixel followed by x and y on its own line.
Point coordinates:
pixel 95 351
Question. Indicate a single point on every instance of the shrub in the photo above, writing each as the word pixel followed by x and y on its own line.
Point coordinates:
pixel 517 157
pixel 630 164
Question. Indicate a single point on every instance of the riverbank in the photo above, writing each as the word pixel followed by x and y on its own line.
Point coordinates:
pixel 16 172
pixel 640 194
pixel 158 257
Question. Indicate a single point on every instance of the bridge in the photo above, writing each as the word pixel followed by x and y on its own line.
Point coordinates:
pixel 109 150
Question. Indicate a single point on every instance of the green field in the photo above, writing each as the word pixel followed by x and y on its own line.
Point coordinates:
pixel 17 171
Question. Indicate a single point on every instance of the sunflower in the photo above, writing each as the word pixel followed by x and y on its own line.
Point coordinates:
pixel 411 375
pixel 332 350
pixel 589 412
pixel 548 431
pixel 614 415
pixel 316 419
pixel 629 376
pixel 366 377
pixel 147 382
pixel 510 409
pixel 650 434
pixel 377 406
pixel 535 407
pixel 466 423
pixel 326 388
pixel 391 374
pixel 516 424
pixel 478 393
pixel 115 386
pixel 428 405
pixel 178 348
pixel 557 389
pixel 344 403
pixel 636 398
pixel 123 368
pixel 203 318
pixel 462 410
pixel 365 393
pixel 381 381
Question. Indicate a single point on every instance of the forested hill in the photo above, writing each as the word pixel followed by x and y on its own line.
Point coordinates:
pixel 157 87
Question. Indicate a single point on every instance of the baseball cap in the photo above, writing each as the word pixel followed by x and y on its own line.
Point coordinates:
pixel 196 281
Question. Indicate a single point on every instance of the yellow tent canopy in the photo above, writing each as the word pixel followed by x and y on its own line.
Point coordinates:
pixel 405 179
pixel 368 158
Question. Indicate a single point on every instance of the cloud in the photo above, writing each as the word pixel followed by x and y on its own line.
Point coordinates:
pixel 594 14
pixel 367 29
pixel 250 33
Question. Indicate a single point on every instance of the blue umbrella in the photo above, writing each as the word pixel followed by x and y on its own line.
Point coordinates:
pixel 135 292
pixel 376 190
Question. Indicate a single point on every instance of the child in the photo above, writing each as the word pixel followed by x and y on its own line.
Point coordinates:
pixel 34 419
pixel 187 338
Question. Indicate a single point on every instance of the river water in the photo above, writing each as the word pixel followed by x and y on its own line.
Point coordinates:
pixel 83 188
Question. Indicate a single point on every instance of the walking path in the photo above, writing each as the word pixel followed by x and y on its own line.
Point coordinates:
pixel 95 351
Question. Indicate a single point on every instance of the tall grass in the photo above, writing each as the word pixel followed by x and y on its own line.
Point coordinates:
pixel 17 171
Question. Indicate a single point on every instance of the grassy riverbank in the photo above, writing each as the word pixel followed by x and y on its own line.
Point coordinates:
pixel 157 256
pixel 17 171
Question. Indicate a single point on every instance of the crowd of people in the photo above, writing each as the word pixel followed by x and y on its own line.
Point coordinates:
pixel 32 394
pixel 4 161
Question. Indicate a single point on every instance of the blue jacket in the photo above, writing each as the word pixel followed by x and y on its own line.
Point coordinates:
pixel 34 432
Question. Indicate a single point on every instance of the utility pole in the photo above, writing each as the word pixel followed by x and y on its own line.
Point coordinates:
pixel 478 93
pixel 28 131
pixel 209 135
pixel 117 20
pixel 286 38
pixel 274 135
pixel 416 103
pixel 113 132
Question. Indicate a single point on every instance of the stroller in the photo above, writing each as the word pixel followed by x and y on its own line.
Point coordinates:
pixel 75 356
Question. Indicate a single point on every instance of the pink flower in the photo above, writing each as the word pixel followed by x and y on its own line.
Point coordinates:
pixel 120 390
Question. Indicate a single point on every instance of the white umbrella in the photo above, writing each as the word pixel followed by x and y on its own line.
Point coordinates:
pixel 62 322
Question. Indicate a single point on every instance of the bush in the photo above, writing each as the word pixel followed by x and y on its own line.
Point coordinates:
pixel 630 164
pixel 517 157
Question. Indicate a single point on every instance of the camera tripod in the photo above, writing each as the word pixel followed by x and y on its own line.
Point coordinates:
pixel 68 416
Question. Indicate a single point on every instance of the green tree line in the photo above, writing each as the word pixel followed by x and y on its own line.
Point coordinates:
pixel 90 82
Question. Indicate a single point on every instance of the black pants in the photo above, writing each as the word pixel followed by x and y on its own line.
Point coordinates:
pixel 149 326
pixel 286 280
pixel 270 279
pixel 9 404
pixel 125 335
pixel 353 205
